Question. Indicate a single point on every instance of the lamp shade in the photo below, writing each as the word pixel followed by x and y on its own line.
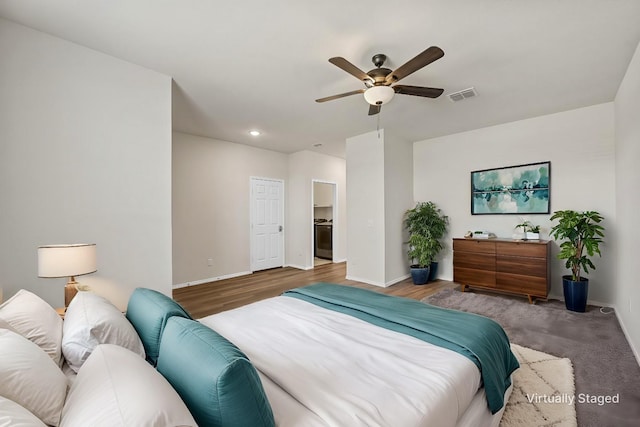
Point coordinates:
pixel 66 260
pixel 378 95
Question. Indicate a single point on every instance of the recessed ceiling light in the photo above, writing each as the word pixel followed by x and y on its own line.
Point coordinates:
pixel 317 145
pixel 254 133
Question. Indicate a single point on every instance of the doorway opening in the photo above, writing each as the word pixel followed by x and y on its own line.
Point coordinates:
pixel 323 221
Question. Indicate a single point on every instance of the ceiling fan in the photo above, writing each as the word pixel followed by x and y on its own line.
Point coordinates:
pixel 378 81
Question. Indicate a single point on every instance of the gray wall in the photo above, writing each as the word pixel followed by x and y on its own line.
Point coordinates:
pixel 365 215
pixel 211 204
pixel 379 191
pixel 579 144
pixel 398 197
pixel 85 156
pixel 627 291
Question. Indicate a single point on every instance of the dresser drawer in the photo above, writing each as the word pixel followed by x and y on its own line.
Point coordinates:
pixel 534 286
pixel 522 249
pixel 536 267
pixel 478 261
pixel 471 245
pixel 467 276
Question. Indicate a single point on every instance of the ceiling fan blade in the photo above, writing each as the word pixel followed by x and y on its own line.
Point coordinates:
pixel 374 109
pixel 427 92
pixel 350 68
pixel 422 59
pixel 342 95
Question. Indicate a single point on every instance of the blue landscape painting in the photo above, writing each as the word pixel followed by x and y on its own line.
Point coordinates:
pixel 522 189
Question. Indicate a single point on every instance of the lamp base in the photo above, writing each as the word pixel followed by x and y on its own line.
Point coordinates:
pixel 70 291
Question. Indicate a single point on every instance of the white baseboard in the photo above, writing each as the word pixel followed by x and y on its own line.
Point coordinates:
pixel 367 281
pixel 211 279
pixel 379 284
pixel 299 267
pixel 399 279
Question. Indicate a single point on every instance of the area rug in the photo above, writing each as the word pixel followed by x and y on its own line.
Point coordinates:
pixel 543 391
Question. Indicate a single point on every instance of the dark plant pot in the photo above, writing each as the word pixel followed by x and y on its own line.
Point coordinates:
pixel 575 293
pixel 419 275
pixel 433 271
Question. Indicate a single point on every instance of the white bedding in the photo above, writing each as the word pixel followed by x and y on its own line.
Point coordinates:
pixel 323 368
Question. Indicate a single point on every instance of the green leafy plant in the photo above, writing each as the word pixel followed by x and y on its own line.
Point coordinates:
pixel 582 234
pixel 426 225
pixel 528 226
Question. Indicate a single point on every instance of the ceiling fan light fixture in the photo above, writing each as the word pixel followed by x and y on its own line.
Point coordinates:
pixel 379 95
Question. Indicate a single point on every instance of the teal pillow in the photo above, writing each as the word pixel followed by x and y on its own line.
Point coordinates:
pixel 148 311
pixel 215 379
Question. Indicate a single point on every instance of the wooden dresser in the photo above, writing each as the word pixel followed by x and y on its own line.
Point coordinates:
pixel 503 265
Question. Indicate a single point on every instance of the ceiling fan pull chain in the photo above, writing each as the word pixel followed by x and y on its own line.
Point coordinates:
pixel 378 123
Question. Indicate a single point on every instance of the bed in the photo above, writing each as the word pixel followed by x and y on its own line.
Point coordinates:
pixel 320 355
pixel 330 355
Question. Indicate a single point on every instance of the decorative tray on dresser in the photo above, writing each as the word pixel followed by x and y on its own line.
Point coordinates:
pixel 503 265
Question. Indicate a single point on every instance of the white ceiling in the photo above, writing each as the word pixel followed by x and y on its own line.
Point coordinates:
pixel 257 64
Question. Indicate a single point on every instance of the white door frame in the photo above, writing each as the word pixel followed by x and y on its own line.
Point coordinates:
pixel 251 219
pixel 334 215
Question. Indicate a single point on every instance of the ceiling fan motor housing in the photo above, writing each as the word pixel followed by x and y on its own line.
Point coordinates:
pixel 379 75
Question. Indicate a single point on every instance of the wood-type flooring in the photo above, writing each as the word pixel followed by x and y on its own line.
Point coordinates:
pixel 214 297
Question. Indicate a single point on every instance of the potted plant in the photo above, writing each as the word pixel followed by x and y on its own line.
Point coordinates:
pixel 529 231
pixel 533 233
pixel 426 226
pixel 581 234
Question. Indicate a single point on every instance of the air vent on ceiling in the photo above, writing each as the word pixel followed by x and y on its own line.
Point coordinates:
pixel 463 94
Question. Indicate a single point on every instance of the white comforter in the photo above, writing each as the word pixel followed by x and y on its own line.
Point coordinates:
pixel 320 367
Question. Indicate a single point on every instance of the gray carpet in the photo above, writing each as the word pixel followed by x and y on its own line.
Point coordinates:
pixel 603 362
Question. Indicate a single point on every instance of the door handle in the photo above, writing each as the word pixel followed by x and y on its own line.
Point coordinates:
pixel 280 228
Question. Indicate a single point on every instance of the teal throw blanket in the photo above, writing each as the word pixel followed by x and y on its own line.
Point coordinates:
pixel 478 338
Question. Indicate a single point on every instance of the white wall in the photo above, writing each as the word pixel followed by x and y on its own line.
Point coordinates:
pixel 211 197
pixel 379 191
pixel 580 146
pixel 85 156
pixel 365 216
pixel 398 197
pixel 627 125
pixel 304 168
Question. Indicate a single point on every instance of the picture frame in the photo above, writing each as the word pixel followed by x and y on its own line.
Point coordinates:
pixel 517 190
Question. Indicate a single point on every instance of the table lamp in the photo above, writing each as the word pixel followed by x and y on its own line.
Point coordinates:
pixel 67 261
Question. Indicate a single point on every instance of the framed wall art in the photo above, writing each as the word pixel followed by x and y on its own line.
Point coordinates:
pixel 521 189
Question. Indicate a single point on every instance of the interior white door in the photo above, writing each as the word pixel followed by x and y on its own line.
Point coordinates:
pixel 267 233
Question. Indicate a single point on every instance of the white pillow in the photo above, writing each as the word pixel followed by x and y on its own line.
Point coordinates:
pixel 12 414
pixel 5 325
pixel 91 320
pixel 36 320
pixel 115 387
pixel 30 378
